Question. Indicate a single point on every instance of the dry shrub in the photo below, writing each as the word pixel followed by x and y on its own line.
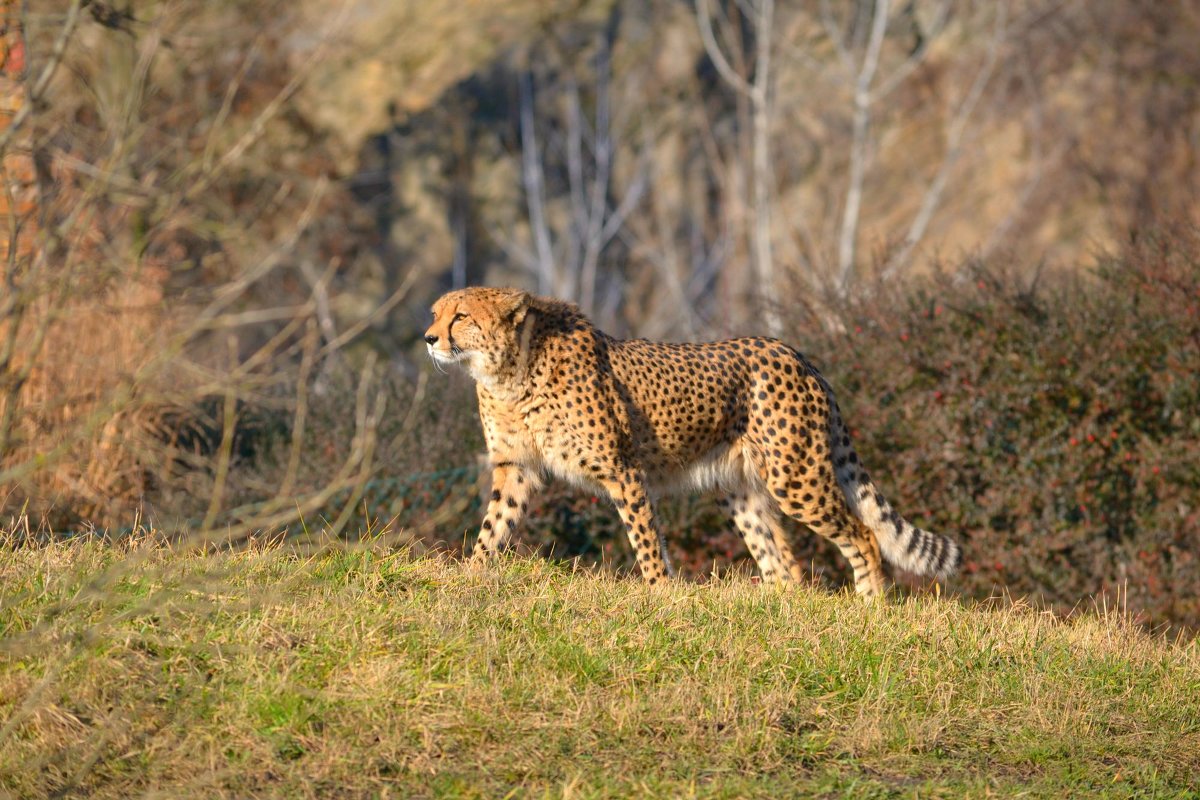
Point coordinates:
pixel 76 404
pixel 167 248
pixel 424 478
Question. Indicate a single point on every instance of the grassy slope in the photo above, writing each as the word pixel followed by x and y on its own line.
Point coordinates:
pixel 269 673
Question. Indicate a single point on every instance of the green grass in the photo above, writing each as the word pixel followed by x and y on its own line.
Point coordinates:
pixel 151 671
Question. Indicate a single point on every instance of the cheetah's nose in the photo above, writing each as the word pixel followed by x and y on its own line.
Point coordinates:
pixel 430 339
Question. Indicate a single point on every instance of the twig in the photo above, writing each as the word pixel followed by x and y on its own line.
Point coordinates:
pixel 225 451
pixel 531 173
pixel 847 239
pixel 954 136
pixel 43 82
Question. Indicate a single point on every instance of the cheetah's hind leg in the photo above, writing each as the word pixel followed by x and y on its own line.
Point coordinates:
pixel 758 522
pixel 828 515
pixel 812 496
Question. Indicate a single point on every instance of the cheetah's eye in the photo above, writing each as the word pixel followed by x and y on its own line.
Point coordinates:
pixel 458 316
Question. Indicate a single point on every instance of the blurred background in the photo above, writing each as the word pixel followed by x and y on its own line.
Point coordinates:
pixel 223 223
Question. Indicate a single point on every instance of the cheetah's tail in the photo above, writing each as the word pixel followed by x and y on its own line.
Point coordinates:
pixel 902 543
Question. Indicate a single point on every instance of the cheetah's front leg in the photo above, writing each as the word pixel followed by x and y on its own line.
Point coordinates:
pixel 511 486
pixel 628 492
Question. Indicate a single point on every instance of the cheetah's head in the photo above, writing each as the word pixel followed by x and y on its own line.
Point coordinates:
pixel 479 328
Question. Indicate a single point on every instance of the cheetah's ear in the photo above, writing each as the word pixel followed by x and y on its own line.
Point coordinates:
pixel 515 306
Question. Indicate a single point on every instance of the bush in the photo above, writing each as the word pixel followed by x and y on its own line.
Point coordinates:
pixel 1050 427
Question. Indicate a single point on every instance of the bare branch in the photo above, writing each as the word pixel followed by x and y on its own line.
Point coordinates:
pixel 835 35
pixel 38 89
pixel 209 172
pixel 383 308
pixel 299 419
pixel 847 240
pixel 902 72
pixel 225 450
pixel 760 97
pixel 522 255
pixel 1037 168
pixel 210 146
pixel 319 286
pixel 954 136
pixel 633 195
pixel 598 204
pixel 579 211
pixel 531 173
pixel 713 48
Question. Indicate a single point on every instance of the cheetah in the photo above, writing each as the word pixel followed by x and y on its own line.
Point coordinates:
pixel 750 418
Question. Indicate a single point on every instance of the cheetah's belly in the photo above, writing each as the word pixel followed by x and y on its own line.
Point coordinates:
pixel 723 468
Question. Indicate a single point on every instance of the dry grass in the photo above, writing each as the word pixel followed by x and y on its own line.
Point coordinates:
pixel 152 670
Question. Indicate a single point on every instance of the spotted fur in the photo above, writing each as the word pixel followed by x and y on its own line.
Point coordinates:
pixel 750 418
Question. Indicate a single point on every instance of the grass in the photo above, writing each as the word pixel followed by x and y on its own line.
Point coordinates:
pixel 151 671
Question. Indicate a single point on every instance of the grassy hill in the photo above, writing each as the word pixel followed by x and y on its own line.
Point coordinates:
pixel 273 672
